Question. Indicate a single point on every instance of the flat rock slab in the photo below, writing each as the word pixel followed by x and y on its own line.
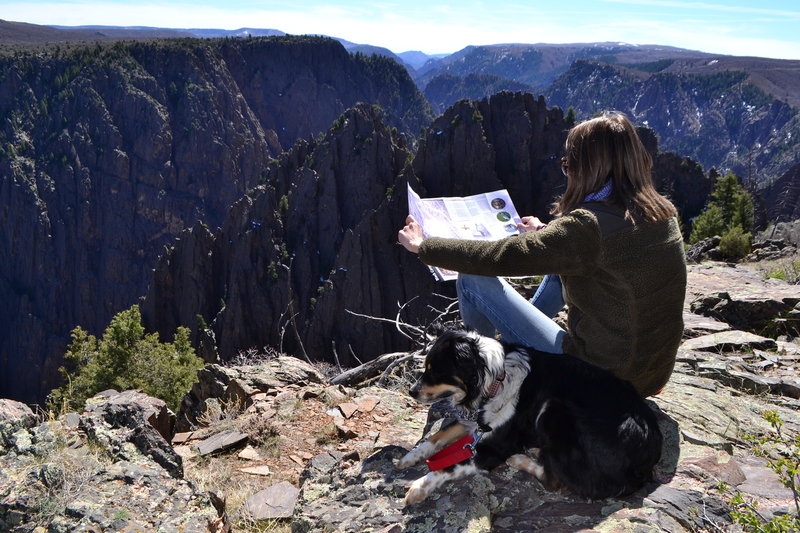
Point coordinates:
pixel 278 501
pixel 186 452
pixel 700 323
pixel 11 410
pixel 221 442
pixel 741 282
pixel 250 454
pixel 366 404
pixel 262 470
pixel 348 409
pixel 181 438
pixel 726 341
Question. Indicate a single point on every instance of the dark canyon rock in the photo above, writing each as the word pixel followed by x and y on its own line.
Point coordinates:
pixel 782 198
pixel 109 151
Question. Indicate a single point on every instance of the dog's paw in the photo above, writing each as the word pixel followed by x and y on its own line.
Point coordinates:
pixel 407 460
pixel 416 493
pixel 522 462
pixel 519 461
pixel 411 458
pixel 417 455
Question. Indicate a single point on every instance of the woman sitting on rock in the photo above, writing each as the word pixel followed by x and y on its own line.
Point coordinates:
pixel 613 254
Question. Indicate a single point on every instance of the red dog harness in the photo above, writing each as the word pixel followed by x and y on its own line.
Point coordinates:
pixel 464 448
pixel 460 450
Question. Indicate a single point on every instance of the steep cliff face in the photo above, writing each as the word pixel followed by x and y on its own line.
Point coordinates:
pixel 782 197
pixel 292 259
pixel 721 119
pixel 107 152
pixel 510 140
pixel 300 85
pixel 300 259
pixel 101 167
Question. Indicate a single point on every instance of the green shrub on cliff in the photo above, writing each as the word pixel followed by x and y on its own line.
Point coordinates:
pixel 735 243
pixel 729 214
pixel 126 358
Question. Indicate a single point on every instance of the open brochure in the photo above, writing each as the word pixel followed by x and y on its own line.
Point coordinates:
pixel 489 216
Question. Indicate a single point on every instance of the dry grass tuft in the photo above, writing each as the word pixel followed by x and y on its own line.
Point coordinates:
pixel 786 269
pixel 59 473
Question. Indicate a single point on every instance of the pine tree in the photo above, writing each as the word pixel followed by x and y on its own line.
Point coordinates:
pixel 126 358
pixel 709 223
pixel 729 214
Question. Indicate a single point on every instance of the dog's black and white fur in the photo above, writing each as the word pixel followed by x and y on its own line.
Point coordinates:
pixel 593 433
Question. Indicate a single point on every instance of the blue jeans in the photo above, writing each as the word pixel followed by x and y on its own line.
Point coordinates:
pixel 490 305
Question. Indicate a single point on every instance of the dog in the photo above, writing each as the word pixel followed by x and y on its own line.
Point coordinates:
pixel 591 431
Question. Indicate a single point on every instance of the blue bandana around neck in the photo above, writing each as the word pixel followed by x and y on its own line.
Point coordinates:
pixel 602 194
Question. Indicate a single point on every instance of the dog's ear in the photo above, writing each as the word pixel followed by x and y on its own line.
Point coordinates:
pixel 434 330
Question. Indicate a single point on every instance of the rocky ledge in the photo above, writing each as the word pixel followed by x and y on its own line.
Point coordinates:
pixel 272 443
pixel 715 400
pixel 107 469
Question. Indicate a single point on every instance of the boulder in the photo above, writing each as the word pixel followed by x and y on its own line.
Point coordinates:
pixel 782 234
pixel 770 249
pixel 236 386
pixel 16 412
pixel 705 250
pixel 120 421
pixel 277 501
pixel 155 410
pixel 110 470
pixel 13 416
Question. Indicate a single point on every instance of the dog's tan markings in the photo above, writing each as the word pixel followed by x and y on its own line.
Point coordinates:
pixel 522 462
pixel 448 435
pixel 436 391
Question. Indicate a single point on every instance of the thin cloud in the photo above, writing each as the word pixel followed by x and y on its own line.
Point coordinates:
pixel 702 6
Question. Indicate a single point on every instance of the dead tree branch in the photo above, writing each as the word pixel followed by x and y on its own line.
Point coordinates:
pixel 367 370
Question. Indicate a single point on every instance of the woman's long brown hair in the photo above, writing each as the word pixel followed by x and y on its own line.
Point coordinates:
pixel 608 147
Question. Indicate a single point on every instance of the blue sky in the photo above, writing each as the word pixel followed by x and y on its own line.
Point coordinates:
pixel 766 28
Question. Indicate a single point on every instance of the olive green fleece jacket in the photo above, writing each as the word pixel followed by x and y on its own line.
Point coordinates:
pixel 624 284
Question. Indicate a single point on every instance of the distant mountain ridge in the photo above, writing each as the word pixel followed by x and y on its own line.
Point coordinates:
pixel 541 64
pixel 737 114
pixel 747 125
pixel 718 117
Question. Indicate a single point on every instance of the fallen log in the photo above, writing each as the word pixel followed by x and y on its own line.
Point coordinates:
pixel 370 369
